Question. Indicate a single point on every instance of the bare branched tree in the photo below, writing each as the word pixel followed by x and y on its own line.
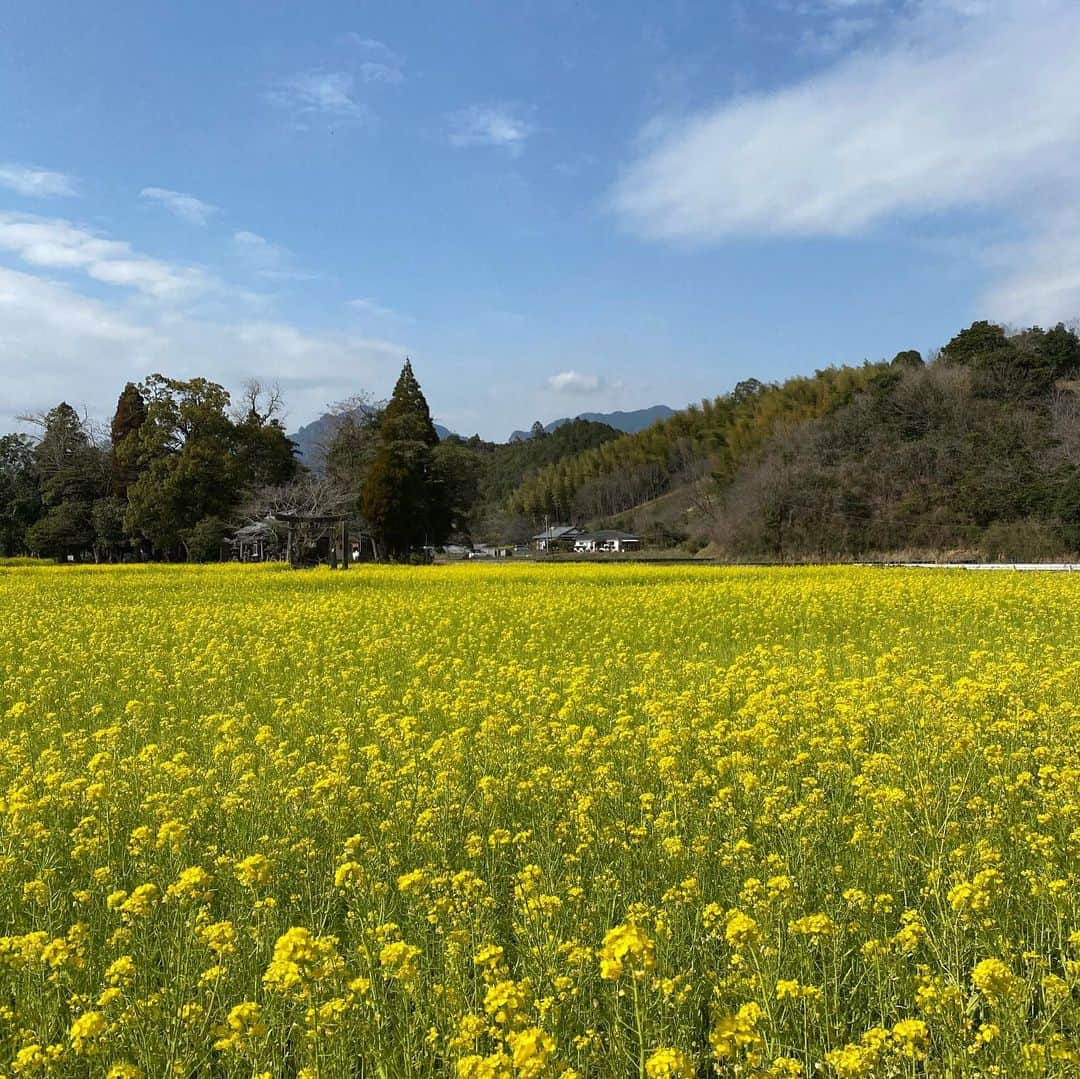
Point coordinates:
pixel 96 432
pixel 1065 423
pixel 694 469
pixel 308 494
pixel 258 403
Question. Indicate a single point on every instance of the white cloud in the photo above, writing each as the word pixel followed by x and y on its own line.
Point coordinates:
pixel 329 93
pixel 34 182
pixel 376 71
pixel 54 243
pixel 489 125
pixel 910 130
pixel 257 247
pixel 370 307
pixel 269 260
pixel 379 63
pixel 186 207
pixel 837 34
pixel 65 339
pixel 574 383
pixel 1038 278
pixel 985 117
pixel 84 350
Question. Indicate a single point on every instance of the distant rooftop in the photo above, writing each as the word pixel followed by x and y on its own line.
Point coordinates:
pixel 607 534
pixel 558 532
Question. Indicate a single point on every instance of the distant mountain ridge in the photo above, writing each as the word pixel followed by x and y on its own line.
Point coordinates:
pixel 627 422
pixel 313 438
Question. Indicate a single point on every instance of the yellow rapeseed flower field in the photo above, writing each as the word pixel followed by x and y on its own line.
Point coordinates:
pixel 535 821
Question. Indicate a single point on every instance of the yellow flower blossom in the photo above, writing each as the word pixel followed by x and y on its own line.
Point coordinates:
pixel 670 1064
pixel 626 947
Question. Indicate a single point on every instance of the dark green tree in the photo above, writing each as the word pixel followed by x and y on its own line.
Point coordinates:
pixel 458 470
pixel 20 493
pixel 1020 367
pixel 266 457
pixel 204 540
pixel 66 531
pixel 195 462
pixel 74 473
pixel 127 421
pixel 1061 348
pixel 107 520
pixel 404 499
pixel 973 346
pixel 908 358
pixel 186 462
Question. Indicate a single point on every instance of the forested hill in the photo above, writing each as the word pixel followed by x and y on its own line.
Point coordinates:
pixel 709 440
pixel 627 422
pixel 977 451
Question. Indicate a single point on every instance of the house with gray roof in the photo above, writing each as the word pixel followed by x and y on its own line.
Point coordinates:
pixel 556 535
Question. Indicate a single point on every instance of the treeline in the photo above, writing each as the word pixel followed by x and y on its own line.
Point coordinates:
pixel 163 482
pixel 975 452
pixel 180 467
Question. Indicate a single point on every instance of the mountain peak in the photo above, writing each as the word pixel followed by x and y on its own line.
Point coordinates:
pixel 627 422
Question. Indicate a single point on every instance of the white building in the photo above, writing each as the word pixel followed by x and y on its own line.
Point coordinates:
pixel 607 539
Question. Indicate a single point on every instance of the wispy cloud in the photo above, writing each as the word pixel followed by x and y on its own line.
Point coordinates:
pixel 329 93
pixel 269 260
pixel 186 207
pixel 257 247
pixel 36 183
pixel 1037 279
pixel 370 307
pixel 284 274
pixel 504 125
pixel 575 383
pixel 837 34
pixel 378 62
pixel 54 243
pixel 986 116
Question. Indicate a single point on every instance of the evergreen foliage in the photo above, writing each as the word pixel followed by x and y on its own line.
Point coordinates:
pixel 20 493
pixel 127 421
pixel 175 467
pixel 73 476
pixel 405 498
pixel 977 451
pixel 194 461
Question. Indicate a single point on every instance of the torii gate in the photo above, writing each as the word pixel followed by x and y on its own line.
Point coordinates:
pixel 336 524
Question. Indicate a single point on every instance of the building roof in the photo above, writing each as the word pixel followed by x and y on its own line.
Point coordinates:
pixel 558 532
pixel 255 530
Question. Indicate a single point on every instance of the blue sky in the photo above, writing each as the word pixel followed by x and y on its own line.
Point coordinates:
pixel 552 207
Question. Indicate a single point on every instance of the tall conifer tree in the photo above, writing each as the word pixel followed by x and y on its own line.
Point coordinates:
pixel 127 420
pixel 404 500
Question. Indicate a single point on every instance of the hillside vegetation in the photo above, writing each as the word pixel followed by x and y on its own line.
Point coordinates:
pixel 976 451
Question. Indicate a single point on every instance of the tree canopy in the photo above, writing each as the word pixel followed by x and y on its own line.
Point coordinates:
pixel 405 498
